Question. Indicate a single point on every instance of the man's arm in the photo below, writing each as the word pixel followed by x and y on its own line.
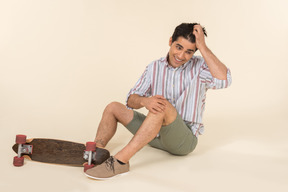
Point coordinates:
pixel 154 104
pixel 217 68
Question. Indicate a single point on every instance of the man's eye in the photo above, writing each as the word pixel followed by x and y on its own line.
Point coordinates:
pixel 178 47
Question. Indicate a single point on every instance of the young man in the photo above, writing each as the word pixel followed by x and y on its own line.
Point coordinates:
pixel 173 90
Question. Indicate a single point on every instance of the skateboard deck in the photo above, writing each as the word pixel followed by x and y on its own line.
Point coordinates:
pixel 58 152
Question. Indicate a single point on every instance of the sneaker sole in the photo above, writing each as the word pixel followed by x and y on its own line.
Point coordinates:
pixel 97 178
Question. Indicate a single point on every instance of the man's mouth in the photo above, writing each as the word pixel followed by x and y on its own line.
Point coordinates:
pixel 178 60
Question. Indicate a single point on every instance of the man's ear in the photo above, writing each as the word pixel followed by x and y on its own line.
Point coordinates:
pixel 170 41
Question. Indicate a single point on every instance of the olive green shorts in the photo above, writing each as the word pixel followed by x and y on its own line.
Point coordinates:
pixel 175 138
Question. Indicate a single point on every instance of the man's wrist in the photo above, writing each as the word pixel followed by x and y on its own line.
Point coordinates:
pixel 143 101
pixel 203 48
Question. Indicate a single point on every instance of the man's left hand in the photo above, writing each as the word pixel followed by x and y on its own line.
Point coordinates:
pixel 200 38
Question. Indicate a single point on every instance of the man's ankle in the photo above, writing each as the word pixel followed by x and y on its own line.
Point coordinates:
pixel 120 162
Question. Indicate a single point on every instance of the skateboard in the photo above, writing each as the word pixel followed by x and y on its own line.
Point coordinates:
pixel 58 152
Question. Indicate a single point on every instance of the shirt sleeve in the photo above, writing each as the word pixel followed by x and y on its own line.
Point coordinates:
pixel 212 82
pixel 142 86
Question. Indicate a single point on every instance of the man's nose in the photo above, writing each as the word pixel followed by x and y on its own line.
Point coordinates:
pixel 181 55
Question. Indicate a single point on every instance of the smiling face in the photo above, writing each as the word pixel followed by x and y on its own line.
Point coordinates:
pixel 181 51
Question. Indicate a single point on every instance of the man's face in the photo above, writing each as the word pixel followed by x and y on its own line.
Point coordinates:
pixel 180 51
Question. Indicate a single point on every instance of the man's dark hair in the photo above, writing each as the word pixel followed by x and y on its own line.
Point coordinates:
pixel 186 30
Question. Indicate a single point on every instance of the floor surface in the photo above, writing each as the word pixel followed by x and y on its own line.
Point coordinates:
pixel 234 160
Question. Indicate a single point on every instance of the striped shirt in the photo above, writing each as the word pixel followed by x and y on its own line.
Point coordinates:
pixel 184 87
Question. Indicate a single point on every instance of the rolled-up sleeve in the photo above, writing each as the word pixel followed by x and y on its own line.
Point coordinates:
pixel 142 86
pixel 212 82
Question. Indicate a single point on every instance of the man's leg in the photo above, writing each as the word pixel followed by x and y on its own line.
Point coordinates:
pixel 114 112
pixel 148 131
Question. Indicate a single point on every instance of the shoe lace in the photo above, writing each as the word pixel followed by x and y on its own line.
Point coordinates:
pixel 110 164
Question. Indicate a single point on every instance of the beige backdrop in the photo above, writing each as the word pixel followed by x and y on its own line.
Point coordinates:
pixel 62 62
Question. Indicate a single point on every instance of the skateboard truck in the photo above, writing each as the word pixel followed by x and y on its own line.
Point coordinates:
pixel 22 149
pixel 89 154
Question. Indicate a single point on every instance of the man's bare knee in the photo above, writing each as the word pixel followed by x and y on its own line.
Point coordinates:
pixel 120 112
pixel 167 116
pixel 170 114
pixel 111 107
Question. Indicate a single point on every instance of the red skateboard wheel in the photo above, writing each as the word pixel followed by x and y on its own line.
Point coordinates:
pixel 86 166
pixel 18 161
pixel 90 146
pixel 20 139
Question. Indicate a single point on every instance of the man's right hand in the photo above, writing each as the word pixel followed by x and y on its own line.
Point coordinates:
pixel 154 104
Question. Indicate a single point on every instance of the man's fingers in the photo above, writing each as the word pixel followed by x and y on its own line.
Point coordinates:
pixel 157 104
pixel 197 29
pixel 161 108
pixel 155 111
pixel 162 105
pixel 160 97
pixel 158 108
